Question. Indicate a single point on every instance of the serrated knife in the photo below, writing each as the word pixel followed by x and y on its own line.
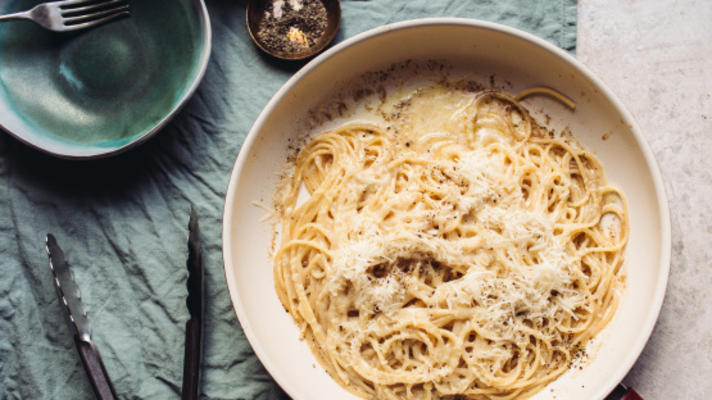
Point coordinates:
pixel 195 303
pixel 69 297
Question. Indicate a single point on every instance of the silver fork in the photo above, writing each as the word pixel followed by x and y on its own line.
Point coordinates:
pixel 72 15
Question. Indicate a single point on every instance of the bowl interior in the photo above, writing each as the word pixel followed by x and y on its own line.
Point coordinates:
pixel 515 60
pixel 93 92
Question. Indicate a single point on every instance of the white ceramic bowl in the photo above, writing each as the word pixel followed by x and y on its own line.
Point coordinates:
pixel 523 60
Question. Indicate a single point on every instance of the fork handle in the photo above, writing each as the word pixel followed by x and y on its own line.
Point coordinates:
pixel 15 16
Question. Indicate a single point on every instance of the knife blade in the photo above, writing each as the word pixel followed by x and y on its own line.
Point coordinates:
pixel 195 302
pixel 70 298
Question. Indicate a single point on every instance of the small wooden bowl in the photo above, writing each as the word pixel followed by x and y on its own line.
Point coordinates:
pixel 256 12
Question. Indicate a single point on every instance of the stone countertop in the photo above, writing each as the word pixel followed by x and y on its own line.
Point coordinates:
pixel 657 57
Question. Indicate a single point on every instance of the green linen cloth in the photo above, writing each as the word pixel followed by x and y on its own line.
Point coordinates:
pixel 123 222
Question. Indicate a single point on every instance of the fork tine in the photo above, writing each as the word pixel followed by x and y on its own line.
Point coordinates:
pixel 90 17
pixel 99 21
pixel 70 3
pixel 89 7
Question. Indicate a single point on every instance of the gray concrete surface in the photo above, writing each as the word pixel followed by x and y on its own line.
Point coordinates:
pixel 657 57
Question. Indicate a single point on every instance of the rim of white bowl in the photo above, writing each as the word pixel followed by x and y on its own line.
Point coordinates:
pixel 89 153
pixel 663 211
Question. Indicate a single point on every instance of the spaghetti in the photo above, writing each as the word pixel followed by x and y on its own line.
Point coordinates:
pixel 471 262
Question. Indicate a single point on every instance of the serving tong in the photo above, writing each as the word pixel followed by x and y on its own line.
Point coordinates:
pixel 70 298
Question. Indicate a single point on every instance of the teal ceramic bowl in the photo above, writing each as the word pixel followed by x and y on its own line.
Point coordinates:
pixel 98 92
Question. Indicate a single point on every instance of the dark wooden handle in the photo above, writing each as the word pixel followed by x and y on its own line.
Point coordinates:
pixel 623 393
pixel 192 358
pixel 631 395
pixel 95 369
